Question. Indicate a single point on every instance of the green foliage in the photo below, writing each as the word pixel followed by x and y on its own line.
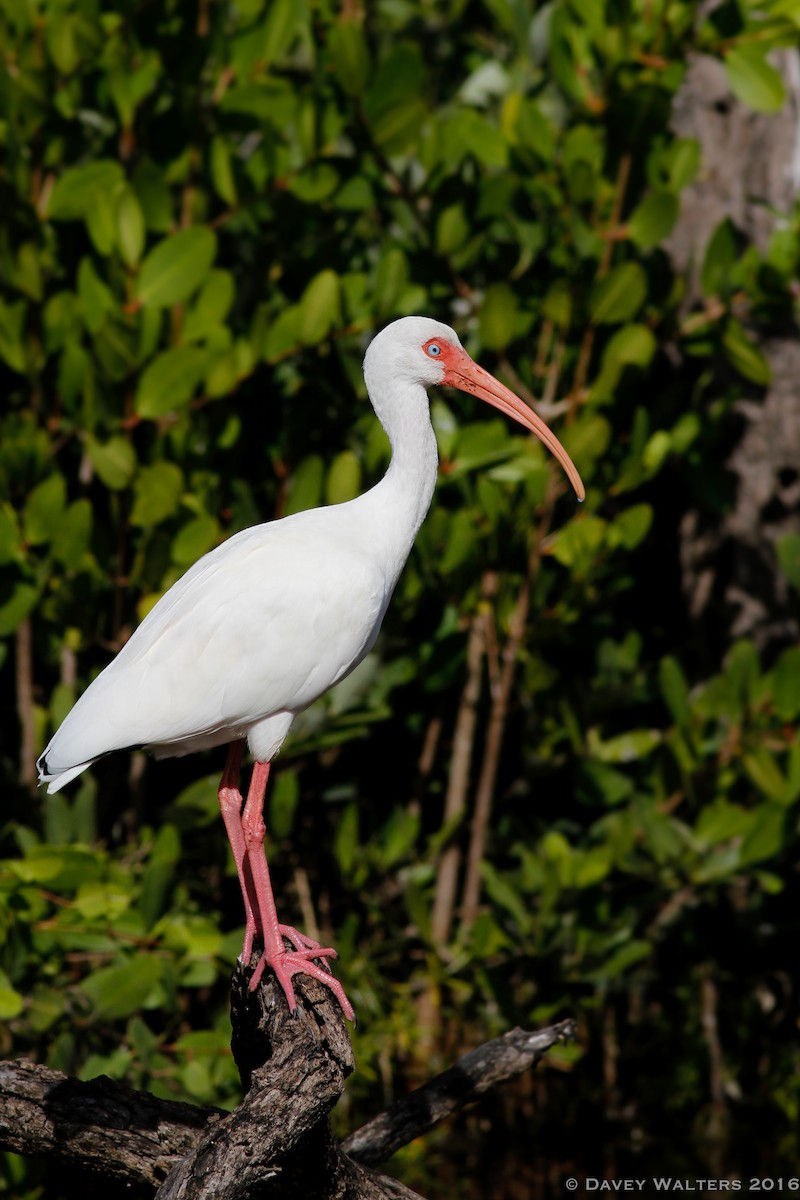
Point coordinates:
pixel 205 214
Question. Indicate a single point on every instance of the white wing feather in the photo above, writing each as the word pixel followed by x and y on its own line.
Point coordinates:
pixel 262 625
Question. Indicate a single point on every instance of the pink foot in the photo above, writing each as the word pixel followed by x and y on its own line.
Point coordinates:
pixel 301 942
pixel 299 961
pixel 298 940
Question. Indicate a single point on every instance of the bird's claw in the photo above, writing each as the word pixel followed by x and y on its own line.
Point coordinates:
pixel 301 942
pixel 287 963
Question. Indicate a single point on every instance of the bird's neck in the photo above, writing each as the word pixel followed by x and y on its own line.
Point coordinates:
pixel 406 490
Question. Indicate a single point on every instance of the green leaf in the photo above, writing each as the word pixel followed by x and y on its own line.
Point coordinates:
pixel 114 461
pixel 44 506
pixel 283 334
pixel 592 867
pixel 305 485
pixel 227 369
pixel 210 307
pixel 761 767
pixel 16 608
pixel 630 345
pixel 95 296
pixel 345 839
pixel 195 539
pixel 452 229
pixel 76 191
pixel 201 797
pixel 460 541
pixel 577 543
pixel 28 271
pixel 286 19
pixel 12 344
pixel 719 260
pixel 614 786
pixel 350 56
pixel 222 171
pixel 721 821
pixel 315 183
pixel 680 163
pixel 101 222
pixel 283 801
pixel 499 317
pixel 391 278
pixel 159 874
pixel 787 548
pixel 170 381
pixel 622 960
pixel 61 41
pixel 656 450
pixel 11 1002
pixel 344 478
pixel 176 267
pixel 557 304
pixel 674 689
pixel 399 127
pixel 769 835
pixel 157 494
pixel 653 219
pixel 72 533
pixel 533 127
pixel 118 991
pixel 618 296
pixel 631 526
pixel 625 747
pixel 130 226
pixel 11 549
pixel 320 308
pixel 502 892
pixel 154 196
pixel 786 684
pixel 745 355
pixel 753 80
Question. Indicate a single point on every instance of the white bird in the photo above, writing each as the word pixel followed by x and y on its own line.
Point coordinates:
pixel 265 623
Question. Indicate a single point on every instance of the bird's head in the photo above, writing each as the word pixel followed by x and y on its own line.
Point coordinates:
pixel 422 351
pixel 414 349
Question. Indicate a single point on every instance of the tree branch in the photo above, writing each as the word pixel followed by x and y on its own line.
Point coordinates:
pixel 475 1073
pixel 278 1142
pixel 102 1125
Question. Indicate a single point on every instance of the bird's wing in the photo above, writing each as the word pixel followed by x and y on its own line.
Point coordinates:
pixel 263 624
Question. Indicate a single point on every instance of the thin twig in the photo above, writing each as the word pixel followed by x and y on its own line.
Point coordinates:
pixel 484 793
pixel 498 715
pixel 458 783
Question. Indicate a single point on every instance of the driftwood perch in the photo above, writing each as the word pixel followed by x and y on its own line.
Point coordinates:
pixel 278 1143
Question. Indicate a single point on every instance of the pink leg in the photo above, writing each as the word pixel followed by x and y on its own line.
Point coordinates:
pixel 285 963
pixel 230 803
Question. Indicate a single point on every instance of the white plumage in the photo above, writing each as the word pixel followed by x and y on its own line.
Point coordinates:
pixel 264 624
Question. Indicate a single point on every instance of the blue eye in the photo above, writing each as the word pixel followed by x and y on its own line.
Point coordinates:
pixel 434 350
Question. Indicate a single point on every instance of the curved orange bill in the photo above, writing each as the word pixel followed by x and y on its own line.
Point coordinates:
pixel 461 372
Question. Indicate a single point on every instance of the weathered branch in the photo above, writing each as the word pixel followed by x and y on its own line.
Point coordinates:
pixel 293 1069
pixel 278 1142
pixel 474 1073
pixel 102 1125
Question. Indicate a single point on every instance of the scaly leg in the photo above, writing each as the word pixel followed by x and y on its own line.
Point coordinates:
pixel 230 803
pixel 285 963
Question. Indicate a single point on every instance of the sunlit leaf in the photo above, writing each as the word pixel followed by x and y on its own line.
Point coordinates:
pixel 176 267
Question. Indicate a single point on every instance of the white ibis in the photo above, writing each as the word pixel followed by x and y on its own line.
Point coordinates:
pixel 264 624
